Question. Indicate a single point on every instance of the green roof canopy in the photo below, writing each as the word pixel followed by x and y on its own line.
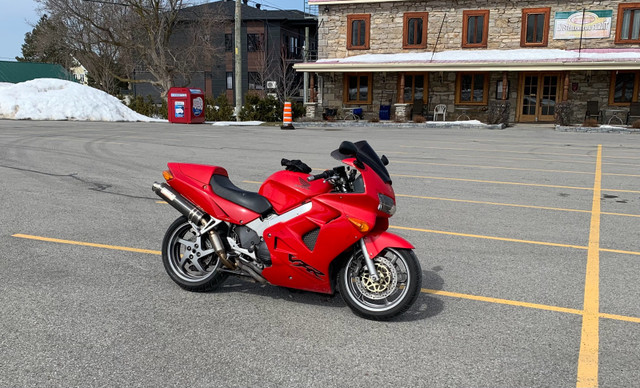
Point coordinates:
pixel 15 72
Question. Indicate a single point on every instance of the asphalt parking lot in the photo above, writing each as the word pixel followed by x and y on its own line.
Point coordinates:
pixel 527 237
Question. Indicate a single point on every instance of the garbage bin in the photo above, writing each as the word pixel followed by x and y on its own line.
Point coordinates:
pixel 185 106
pixel 385 112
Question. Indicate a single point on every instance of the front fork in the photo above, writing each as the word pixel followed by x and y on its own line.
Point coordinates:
pixel 369 261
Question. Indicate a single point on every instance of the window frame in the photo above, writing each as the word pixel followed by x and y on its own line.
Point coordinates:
pixel 465 26
pixel 345 89
pixel 485 90
pixel 229 77
pixel 228 43
pixel 425 86
pixel 255 43
pixel 546 11
pixel 612 87
pixel 621 8
pixel 424 16
pixel 366 18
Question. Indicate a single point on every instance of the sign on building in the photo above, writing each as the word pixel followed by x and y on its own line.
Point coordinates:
pixel 571 25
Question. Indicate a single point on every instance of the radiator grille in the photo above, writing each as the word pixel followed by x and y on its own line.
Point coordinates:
pixel 310 238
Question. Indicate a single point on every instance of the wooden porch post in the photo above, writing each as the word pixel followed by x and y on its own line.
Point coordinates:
pixel 565 95
pixel 401 91
pixel 312 87
pixel 505 85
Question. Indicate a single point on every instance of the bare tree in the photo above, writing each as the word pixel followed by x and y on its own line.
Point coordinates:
pixel 160 37
pixel 277 65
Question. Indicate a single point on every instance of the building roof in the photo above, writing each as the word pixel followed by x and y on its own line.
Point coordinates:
pixel 15 72
pixel 483 60
pixel 227 10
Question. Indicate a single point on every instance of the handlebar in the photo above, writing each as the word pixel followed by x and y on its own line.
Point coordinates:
pixel 323 175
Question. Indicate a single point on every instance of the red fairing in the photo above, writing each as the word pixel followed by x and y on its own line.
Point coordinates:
pixel 377 242
pixel 287 189
pixel 294 265
pixel 192 181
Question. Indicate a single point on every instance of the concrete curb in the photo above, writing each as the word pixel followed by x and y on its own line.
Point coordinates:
pixel 428 124
pixel 600 129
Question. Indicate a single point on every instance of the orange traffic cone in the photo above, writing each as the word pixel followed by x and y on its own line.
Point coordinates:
pixel 287 117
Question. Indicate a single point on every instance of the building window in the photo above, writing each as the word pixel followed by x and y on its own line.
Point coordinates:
pixel 254 42
pixel 475 28
pixel 229 80
pixel 472 88
pixel 415 85
pixel 357 88
pixel 535 27
pixel 628 27
pixel 228 42
pixel 358 32
pixel 293 47
pixel 255 81
pixel 624 87
pixel 415 30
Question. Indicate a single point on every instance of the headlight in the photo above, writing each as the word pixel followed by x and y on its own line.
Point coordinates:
pixel 387 204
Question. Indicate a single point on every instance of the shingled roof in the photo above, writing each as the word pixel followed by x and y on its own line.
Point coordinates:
pixel 227 9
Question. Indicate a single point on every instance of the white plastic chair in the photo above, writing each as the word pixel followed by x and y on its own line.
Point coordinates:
pixel 441 109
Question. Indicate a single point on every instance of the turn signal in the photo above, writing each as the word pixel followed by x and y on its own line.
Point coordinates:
pixel 362 226
pixel 167 175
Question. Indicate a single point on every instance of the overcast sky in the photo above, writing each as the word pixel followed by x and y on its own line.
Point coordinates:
pixel 19 17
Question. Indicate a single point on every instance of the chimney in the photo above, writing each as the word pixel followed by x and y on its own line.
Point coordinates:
pixel 258 5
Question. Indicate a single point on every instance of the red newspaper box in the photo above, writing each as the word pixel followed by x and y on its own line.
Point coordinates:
pixel 185 105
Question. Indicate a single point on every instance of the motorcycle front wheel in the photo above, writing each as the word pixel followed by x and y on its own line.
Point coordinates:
pixel 190 260
pixel 398 288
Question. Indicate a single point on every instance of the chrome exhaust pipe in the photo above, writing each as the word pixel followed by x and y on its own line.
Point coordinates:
pixel 194 215
pixel 178 202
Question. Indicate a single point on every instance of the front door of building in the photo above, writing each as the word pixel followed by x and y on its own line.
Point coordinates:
pixel 537 96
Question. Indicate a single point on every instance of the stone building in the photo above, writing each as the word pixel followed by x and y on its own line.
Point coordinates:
pixel 470 54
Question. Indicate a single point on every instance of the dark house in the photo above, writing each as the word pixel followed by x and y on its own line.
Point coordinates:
pixel 272 41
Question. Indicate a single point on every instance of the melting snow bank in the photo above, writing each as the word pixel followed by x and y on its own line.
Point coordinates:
pixel 236 123
pixel 54 99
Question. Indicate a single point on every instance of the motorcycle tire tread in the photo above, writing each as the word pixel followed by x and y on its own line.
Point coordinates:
pixel 210 284
pixel 412 261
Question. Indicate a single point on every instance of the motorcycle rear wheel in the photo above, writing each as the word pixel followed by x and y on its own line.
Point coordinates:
pixel 189 260
pixel 398 288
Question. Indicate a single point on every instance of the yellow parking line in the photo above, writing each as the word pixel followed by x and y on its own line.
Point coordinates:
pixel 514 152
pixel 513 205
pixel 493 151
pixel 492 167
pixel 510 168
pixel 589 343
pixel 620 317
pixel 489 237
pixel 114 247
pixel 424 290
pixel 510 183
pixel 503 301
pixel 506 239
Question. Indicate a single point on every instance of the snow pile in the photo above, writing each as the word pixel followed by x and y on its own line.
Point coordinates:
pixel 55 99
pixel 237 123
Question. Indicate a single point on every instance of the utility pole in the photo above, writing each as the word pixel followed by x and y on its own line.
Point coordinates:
pixel 305 56
pixel 238 58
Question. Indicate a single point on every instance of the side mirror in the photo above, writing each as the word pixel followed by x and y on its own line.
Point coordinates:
pixel 348 148
pixel 385 160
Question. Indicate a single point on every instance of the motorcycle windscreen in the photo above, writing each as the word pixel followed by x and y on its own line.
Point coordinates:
pixel 368 156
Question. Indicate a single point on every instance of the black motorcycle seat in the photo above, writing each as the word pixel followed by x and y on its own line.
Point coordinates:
pixel 222 186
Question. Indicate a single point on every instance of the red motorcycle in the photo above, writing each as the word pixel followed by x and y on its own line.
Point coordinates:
pixel 310 232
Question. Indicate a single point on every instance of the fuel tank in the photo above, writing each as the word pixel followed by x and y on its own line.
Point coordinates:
pixel 287 189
